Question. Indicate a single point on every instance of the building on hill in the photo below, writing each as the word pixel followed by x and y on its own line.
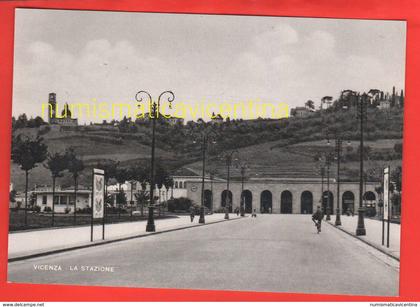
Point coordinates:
pixel 173 121
pixel 301 112
pixel 216 119
pixel 65 119
pixel 384 104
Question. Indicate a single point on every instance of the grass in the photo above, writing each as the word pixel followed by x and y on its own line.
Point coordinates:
pixel 44 220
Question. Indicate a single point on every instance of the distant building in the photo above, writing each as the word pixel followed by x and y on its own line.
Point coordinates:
pixel 301 112
pixel 63 199
pixel 66 117
pixel 216 119
pixel 173 121
pixel 384 104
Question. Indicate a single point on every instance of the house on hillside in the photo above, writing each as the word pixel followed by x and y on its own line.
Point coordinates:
pixel 216 119
pixel 301 112
pixel 384 104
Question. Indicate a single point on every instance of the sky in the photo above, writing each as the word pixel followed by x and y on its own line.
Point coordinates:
pixel 93 56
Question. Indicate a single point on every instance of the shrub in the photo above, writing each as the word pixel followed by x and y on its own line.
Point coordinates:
pixel 36 209
pixel 47 209
pixel 181 203
pixel 86 210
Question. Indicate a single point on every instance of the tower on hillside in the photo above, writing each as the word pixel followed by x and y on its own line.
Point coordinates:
pixel 52 103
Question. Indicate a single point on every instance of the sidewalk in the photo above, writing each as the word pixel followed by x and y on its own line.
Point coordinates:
pixel 373 233
pixel 30 243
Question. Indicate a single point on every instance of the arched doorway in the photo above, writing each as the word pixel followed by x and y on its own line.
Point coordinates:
pixel 286 205
pixel 369 200
pixel 247 198
pixel 227 199
pixel 208 199
pixel 266 202
pixel 328 195
pixel 306 202
pixel 347 204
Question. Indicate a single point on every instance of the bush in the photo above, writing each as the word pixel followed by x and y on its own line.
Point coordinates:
pixel 47 209
pixel 219 210
pixel 115 210
pixel 67 210
pixel 86 210
pixel 36 209
pixel 180 204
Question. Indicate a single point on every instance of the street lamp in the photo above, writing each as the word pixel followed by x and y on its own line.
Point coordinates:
pixel 326 158
pixel 155 111
pixel 205 139
pixel 338 149
pixel 243 168
pixel 362 114
pixel 227 156
pixel 211 189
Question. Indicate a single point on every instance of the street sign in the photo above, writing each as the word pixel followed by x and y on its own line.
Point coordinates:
pixel 386 193
pixel 98 191
pixel 98 200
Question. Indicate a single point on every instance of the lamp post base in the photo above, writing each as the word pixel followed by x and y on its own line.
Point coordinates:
pixel 150 227
pixel 361 230
pixel 337 218
pixel 226 216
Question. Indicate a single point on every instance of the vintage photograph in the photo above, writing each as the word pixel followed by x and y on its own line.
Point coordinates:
pixel 216 152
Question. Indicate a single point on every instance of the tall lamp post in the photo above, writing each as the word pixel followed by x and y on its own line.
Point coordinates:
pixel 204 144
pixel 362 114
pixel 322 184
pixel 243 168
pixel 211 189
pixel 327 162
pixel 154 111
pixel 228 158
pixel 338 150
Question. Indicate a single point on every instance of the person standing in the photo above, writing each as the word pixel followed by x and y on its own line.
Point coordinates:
pixel 192 215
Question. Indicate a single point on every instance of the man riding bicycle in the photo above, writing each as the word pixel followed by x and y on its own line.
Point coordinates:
pixel 317 218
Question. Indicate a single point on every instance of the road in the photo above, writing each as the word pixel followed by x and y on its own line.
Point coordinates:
pixel 275 253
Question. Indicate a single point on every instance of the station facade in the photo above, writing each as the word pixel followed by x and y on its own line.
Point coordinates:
pixel 282 195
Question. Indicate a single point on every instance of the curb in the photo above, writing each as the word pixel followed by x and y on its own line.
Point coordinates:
pixel 92 244
pixel 366 242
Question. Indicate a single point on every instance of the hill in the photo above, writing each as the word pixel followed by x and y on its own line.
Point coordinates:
pixel 288 147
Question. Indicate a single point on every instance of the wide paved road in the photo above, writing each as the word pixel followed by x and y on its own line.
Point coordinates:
pixel 280 253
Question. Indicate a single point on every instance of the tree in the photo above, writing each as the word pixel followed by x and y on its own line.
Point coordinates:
pixel 27 153
pixel 75 167
pixel 12 196
pixel 121 175
pixel 57 164
pixel 161 176
pixel 141 174
pixel 398 148
pixel 396 178
pixel 22 121
pixel 310 105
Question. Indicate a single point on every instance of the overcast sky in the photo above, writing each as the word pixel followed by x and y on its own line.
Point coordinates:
pixel 109 56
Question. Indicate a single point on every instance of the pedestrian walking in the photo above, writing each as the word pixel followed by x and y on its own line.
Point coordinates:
pixel 192 215
pixel 317 218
